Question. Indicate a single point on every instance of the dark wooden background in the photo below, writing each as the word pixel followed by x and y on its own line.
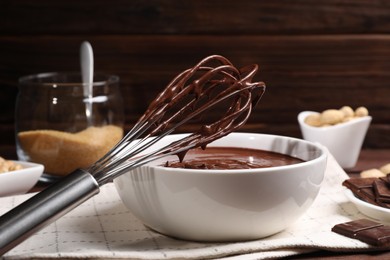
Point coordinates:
pixel 313 55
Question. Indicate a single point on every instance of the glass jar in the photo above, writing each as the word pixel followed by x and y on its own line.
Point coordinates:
pixel 60 125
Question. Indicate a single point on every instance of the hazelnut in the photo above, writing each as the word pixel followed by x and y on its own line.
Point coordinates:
pixel 313 120
pixel 361 111
pixel 331 116
pixel 7 166
pixel 371 173
pixel 347 111
pixel 385 168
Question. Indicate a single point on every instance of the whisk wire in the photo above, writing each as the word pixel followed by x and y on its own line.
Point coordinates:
pixel 153 124
pixel 124 162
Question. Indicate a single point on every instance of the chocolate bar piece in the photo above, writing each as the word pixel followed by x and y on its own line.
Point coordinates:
pixel 350 229
pixel 359 183
pixel 382 191
pixel 367 194
pixel 362 188
pixel 386 180
pixel 379 236
pixel 365 230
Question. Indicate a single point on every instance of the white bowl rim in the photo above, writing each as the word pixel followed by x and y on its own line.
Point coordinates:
pixel 26 168
pixel 302 115
pixel 320 147
pixel 22 180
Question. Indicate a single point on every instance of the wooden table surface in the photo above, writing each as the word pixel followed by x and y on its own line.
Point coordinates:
pixel 368 159
pixel 311 56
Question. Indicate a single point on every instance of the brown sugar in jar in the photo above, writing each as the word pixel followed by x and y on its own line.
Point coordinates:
pixel 63 152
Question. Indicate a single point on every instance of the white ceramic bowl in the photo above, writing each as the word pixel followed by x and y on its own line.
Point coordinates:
pixel 368 209
pixel 20 181
pixel 344 141
pixel 226 205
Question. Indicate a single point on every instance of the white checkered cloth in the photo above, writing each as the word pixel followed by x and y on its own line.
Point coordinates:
pixel 103 228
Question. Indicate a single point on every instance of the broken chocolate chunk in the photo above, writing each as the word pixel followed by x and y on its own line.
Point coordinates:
pixel 359 183
pixel 367 194
pixel 382 192
pixel 372 190
pixel 362 188
pixel 386 180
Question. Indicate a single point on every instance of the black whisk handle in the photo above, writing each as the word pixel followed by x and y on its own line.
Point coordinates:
pixel 45 207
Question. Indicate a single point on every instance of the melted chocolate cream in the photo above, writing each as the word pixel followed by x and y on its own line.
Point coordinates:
pixel 223 158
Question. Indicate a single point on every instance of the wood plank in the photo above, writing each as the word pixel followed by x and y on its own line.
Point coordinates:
pixel 8 152
pixel 220 17
pixel 369 159
pixel 301 72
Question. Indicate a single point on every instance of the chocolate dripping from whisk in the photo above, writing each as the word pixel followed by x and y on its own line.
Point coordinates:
pixel 201 87
pixel 212 81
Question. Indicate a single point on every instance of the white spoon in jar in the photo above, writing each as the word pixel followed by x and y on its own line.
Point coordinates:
pixel 86 63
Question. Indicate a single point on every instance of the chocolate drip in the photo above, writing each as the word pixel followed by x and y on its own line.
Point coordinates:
pixel 196 90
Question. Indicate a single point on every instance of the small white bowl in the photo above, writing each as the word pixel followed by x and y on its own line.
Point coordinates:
pixel 344 140
pixel 20 181
pixel 368 209
pixel 226 205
